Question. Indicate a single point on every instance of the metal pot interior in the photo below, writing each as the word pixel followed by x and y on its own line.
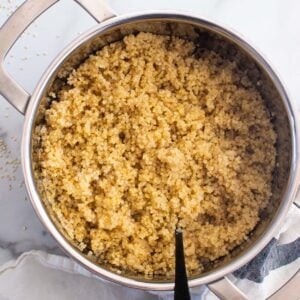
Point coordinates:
pixel 227 45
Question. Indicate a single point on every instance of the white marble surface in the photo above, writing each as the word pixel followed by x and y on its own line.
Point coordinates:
pixel 272 25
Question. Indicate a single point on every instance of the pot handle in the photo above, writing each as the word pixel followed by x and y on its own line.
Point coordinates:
pixel 224 289
pixel 13 28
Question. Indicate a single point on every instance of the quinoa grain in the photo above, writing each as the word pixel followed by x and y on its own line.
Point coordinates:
pixel 147 136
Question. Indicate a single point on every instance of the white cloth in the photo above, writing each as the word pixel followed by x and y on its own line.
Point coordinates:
pixel 37 275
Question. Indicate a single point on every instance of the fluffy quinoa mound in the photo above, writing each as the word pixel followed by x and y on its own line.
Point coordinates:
pixel 148 136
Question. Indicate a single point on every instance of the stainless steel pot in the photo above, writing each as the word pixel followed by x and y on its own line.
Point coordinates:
pixel 211 35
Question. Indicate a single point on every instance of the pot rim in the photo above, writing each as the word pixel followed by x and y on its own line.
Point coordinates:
pixel 37 203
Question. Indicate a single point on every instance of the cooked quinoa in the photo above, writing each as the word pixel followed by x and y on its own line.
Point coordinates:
pixel 148 136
